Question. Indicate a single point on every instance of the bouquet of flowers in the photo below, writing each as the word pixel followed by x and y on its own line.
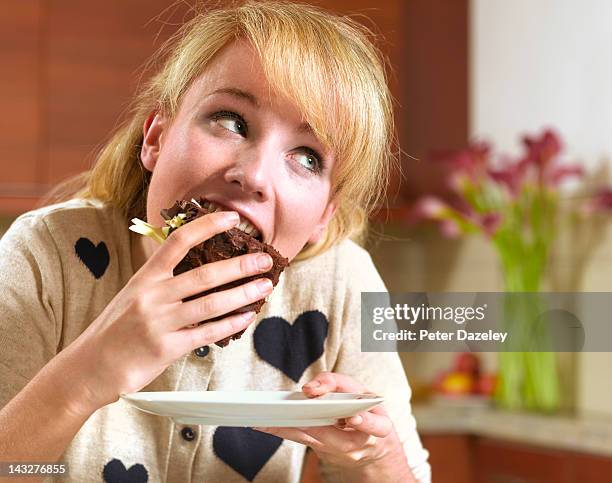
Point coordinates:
pixel 516 204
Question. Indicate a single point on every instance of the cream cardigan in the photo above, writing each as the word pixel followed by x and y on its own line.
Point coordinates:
pixel 62 264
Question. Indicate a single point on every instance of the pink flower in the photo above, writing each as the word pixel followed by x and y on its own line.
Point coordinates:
pixel 455 218
pixel 511 176
pixel 490 223
pixel 429 208
pixel 450 229
pixel 556 174
pixel 458 182
pixel 471 161
pixel 541 151
pixel 476 205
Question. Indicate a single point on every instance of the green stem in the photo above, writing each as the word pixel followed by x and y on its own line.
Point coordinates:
pixel 528 378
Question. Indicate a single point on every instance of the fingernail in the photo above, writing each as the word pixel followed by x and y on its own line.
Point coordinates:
pixel 231 216
pixel 264 261
pixel 312 384
pixel 355 420
pixel 264 285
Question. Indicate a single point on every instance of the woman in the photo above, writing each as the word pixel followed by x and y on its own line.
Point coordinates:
pixel 280 114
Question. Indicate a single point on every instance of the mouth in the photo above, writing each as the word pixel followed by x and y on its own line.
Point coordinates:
pixel 245 225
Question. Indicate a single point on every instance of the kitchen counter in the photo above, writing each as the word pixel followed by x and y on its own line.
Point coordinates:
pixel 588 435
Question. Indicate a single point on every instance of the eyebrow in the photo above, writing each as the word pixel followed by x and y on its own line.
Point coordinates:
pixel 251 99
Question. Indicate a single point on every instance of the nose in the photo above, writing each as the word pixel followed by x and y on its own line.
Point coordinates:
pixel 252 175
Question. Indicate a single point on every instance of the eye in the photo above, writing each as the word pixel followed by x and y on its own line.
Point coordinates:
pixel 310 159
pixel 231 121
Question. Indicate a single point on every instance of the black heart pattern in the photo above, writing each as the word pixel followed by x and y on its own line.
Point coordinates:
pixel 292 348
pixel 244 450
pixel 96 258
pixel 115 472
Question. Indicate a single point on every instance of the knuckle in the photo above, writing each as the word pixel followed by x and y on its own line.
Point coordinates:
pixel 202 275
pixel 327 377
pixel 140 304
pixel 247 264
pixel 161 348
pixel 384 429
pixel 249 290
pixel 178 238
pixel 207 306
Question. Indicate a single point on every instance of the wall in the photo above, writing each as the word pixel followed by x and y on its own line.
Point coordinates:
pixel 549 62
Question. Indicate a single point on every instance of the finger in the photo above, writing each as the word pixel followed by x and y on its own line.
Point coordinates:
pixel 326 438
pixel 333 437
pixel 325 382
pixel 370 423
pixel 219 303
pixel 180 241
pixel 214 274
pixel 293 434
pixel 190 339
pixel 379 409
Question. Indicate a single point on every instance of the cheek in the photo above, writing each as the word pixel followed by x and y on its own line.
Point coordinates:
pixel 307 199
pixel 302 211
pixel 193 157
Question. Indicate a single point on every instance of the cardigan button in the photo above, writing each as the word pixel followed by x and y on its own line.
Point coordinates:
pixel 202 351
pixel 188 434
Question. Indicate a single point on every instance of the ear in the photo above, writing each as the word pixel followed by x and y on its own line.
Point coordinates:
pixel 152 131
pixel 327 215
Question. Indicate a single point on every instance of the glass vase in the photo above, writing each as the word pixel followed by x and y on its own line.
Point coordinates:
pixel 528 376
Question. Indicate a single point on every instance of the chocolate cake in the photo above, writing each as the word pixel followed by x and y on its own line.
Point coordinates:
pixel 228 244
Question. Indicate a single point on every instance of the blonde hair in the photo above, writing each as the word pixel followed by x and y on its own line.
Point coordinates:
pixel 325 63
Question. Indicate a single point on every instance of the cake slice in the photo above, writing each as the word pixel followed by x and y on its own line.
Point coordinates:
pixel 228 244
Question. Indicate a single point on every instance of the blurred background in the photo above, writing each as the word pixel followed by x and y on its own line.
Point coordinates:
pixel 461 71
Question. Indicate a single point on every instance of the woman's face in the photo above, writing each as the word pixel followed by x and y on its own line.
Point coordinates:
pixel 234 144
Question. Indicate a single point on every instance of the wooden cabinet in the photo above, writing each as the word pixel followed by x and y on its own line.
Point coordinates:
pixel 436 107
pixel 20 93
pixel 466 458
pixel 68 70
pixel 93 52
pixel 592 469
pixel 503 462
pixel 70 67
pixel 451 457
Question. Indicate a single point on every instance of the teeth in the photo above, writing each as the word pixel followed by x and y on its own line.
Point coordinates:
pixel 244 224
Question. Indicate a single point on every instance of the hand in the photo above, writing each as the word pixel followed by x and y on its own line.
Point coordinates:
pixel 146 326
pixel 368 437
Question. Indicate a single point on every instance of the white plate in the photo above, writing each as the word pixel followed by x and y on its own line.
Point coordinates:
pixel 252 408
